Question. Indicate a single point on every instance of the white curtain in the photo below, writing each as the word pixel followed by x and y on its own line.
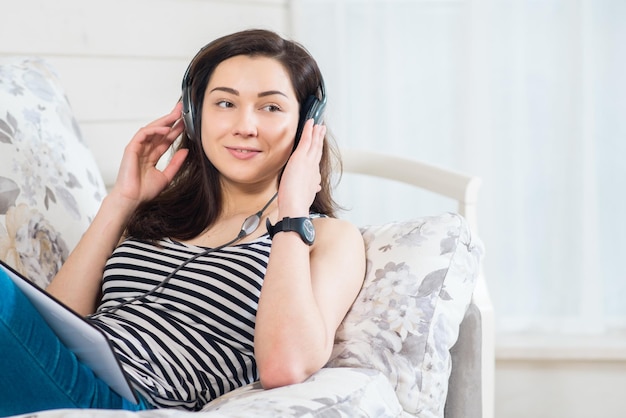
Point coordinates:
pixel 530 95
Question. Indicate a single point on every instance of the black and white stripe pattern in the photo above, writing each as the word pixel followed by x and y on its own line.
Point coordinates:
pixel 192 340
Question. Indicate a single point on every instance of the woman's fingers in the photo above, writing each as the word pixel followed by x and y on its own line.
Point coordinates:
pixel 175 163
pixel 138 175
pixel 306 137
pixel 167 128
pixel 153 141
pixel 304 164
pixel 318 142
pixel 312 139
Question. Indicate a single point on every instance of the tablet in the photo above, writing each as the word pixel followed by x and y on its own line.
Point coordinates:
pixel 90 344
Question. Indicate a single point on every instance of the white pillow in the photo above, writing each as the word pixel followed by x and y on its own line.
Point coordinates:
pixel 419 282
pixel 50 186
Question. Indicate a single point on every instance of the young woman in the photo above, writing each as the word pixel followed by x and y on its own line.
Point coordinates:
pixel 226 267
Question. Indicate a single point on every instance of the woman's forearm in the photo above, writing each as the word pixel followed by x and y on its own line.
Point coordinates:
pixel 78 282
pixel 290 333
pixel 305 296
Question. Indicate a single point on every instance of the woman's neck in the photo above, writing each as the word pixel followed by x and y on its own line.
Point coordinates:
pixel 237 201
pixel 238 213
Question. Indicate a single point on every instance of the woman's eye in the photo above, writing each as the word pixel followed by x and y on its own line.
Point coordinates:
pixel 272 108
pixel 224 104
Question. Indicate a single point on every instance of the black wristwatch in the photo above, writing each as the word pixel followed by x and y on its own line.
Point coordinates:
pixel 303 226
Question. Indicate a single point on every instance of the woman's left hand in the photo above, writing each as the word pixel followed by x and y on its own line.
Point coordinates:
pixel 301 179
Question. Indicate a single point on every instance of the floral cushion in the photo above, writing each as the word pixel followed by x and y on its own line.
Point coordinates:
pixel 419 283
pixel 50 186
pixel 340 392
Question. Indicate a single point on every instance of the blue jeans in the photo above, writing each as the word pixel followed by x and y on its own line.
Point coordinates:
pixel 36 371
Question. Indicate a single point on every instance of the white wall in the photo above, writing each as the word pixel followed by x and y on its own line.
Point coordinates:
pixel 122 61
pixel 551 388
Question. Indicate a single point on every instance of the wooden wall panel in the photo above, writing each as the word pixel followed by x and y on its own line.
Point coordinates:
pixel 137 28
pixel 121 61
pixel 121 88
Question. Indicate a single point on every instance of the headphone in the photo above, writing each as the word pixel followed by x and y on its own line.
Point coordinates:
pixel 313 107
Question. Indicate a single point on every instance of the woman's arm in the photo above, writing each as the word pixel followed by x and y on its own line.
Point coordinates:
pixel 78 282
pixel 306 294
pixel 307 290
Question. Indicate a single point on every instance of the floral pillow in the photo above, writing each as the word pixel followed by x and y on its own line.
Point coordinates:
pixel 50 186
pixel 331 392
pixel 419 282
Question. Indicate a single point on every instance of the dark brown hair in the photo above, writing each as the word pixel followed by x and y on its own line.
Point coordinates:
pixel 193 200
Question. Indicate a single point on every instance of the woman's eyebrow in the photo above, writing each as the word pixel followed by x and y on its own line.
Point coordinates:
pixel 271 92
pixel 226 89
pixel 236 92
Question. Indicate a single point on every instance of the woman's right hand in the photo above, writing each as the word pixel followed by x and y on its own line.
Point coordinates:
pixel 138 178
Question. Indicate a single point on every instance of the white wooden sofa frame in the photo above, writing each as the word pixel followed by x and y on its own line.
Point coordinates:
pixel 471 385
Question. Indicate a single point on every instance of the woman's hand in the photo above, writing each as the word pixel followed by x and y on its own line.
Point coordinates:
pixel 138 179
pixel 301 179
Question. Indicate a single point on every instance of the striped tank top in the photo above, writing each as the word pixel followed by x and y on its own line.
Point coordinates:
pixel 192 340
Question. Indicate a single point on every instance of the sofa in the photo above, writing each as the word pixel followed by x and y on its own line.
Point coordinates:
pixel 417 341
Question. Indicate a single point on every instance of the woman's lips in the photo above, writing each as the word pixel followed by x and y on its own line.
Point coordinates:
pixel 242 153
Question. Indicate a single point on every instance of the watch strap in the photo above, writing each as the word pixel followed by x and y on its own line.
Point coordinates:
pixel 288 224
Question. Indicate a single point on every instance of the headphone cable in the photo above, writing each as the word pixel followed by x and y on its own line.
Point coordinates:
pixel 250 224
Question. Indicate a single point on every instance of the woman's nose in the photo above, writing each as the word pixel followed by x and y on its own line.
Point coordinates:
pixel 246 124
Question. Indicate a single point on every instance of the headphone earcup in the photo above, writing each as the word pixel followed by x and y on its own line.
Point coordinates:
pixel 312 108
pixel 188 112
pixel 316 111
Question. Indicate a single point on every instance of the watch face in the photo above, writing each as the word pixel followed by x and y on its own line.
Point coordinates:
pixel 309 230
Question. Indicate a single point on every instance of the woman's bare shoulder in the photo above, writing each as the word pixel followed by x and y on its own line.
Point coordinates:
pixel 334 232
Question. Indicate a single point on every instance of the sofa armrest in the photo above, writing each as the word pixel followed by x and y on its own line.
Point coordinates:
pixel 471 384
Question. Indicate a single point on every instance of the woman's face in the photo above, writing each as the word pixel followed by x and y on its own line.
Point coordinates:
pixel 249 119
